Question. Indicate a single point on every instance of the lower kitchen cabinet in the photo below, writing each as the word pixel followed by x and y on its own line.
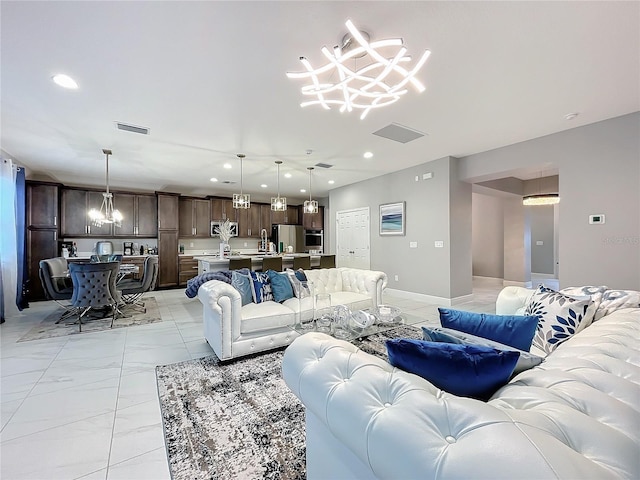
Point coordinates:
pixel 187 269
pixel 167 258
pixel 41 244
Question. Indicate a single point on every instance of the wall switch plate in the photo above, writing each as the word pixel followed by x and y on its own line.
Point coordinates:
pixel 427 176
pixel 439 244
pixel 417 178
pixel 413 244
pixel 396 278
pixel 597 219
pixel 539 242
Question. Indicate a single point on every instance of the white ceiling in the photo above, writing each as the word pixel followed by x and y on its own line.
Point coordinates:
pixel 208 79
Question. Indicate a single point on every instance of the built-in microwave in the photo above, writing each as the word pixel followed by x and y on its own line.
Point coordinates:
pixel 215 226
pixel 313 239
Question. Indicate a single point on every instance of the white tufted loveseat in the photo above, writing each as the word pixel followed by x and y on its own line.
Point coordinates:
pixel 575 416
pixel 233 330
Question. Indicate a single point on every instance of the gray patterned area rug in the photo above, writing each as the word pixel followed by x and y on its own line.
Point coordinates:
pixel 91 322
pixel 230 420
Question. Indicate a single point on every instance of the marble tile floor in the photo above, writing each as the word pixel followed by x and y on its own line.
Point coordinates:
pixel 86 406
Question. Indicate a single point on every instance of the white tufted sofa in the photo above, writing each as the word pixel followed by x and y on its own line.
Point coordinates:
pixel 575 416
pixel 233 330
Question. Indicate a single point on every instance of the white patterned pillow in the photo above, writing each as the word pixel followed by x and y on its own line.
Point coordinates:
pixel 261 287
pixel 559 316
pixel 613 300
pixel 595 293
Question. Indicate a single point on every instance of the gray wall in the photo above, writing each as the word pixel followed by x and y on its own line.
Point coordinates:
pixel 487 236
pixel 517 241
pixel 436 209
pixel 599 170
pixel 542 258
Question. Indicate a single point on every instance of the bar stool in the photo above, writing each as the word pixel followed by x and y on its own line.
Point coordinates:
pixel 272 263
pixel 238 263
pixel 328 261
pixel 302 262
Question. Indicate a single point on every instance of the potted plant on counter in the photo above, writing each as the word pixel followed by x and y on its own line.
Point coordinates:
pixel 225 232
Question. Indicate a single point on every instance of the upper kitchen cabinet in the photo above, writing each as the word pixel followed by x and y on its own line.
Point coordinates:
pixel 217 209
pixel 313 221
pixel 140 215
pixel 167 211
pixel 75 214
pixel 265 218
pixel 42 205
pixel 288 217
pixel 249 221
pixel 194 217
pixel 228 212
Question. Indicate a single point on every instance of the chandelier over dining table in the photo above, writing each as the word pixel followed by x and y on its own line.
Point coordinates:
pixel 107 213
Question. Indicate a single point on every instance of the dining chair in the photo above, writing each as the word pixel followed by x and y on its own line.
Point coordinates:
pixel 114 257
pixel 238 263
pixel 272 263
pixel 94 287
pixel 133 290
pixel 327 261
pixel 303 262
pixel 57 284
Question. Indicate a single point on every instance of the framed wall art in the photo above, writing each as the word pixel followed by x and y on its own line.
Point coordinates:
pixel 392 218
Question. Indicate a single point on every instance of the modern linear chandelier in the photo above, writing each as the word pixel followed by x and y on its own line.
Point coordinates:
pixel 379 83
pixel 241 200
pixel 310 206
pixel 541 199
pixel 278 204
pixel 106 214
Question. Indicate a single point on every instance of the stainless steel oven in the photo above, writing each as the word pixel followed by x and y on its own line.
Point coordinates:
pixel 313 240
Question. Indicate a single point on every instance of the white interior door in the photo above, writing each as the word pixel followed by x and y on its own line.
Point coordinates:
pixel 353 238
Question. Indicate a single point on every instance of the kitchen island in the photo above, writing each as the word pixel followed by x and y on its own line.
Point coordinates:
pixel 213 263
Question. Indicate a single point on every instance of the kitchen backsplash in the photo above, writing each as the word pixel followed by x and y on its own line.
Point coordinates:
pixel 87 246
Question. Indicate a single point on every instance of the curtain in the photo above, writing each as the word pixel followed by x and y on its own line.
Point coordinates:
pixel 21 239
pixel 8 240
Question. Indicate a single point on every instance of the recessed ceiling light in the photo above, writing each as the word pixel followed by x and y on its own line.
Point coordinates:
pixel 227 165
pixel 302 190
pixel 571 116
pixel 65 81
pixel 213 179
pixel 264 185
pixel 331 182
pixel 287 175
pixel 368 155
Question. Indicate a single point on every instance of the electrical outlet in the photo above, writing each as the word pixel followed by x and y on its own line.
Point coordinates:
pixel 396 278
pixel 246 244
pixel 190 244
pixel 417 178
pixel 539 242
pixel 439 244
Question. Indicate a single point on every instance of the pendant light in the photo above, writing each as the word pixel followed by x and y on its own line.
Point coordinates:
pixel 541 198
pixel 106 214
pixel 278 204
pixel 310 206
pixel 241 200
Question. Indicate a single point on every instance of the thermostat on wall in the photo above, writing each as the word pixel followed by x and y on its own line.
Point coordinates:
pixel 599 218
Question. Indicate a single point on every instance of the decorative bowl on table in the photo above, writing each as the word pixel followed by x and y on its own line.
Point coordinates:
pixel 386 313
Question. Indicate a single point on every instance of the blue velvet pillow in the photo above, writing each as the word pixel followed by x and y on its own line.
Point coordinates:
pixel 261 287
pixel 464 370
pixel 517 331
pixel 300 275
pixel 526 360
pixel 280 286
pixel 242 283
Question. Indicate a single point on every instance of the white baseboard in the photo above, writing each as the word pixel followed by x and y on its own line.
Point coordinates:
pixel 508 283
pixel 429 298
pixel 497 281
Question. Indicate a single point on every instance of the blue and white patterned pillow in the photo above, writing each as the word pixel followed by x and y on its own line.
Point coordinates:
pixel 559 316
pixel 261 287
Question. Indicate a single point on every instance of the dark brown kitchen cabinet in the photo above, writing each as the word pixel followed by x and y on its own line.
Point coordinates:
pixel 139 212
pixel 75 220
pixel 249 221
pixel 291 217
pixel 278 217
pixel 217 208
pixel 167 211
pixel 187 269
pixel 42 203
pixel 168 223
pixel 167 258
pixel 313 221
pixel 42 232
pixel 228 212
pixel 194 217
pixel 265 218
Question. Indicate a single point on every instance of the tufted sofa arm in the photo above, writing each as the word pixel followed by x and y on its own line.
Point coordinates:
pixel 398 425
pixel 223 311
pixel 512 300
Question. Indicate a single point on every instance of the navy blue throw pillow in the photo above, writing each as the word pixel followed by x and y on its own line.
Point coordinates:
pixel 464 370
pixel 280 286
pixel 517 331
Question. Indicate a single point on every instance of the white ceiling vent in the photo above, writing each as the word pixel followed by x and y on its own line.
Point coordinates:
pixel 323 165
pixel 132 128
pixel 399 133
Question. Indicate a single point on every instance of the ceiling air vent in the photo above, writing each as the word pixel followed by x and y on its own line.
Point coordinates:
pixel 228 182
pixel 323 165
pixel 132 128
pixel 399 133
